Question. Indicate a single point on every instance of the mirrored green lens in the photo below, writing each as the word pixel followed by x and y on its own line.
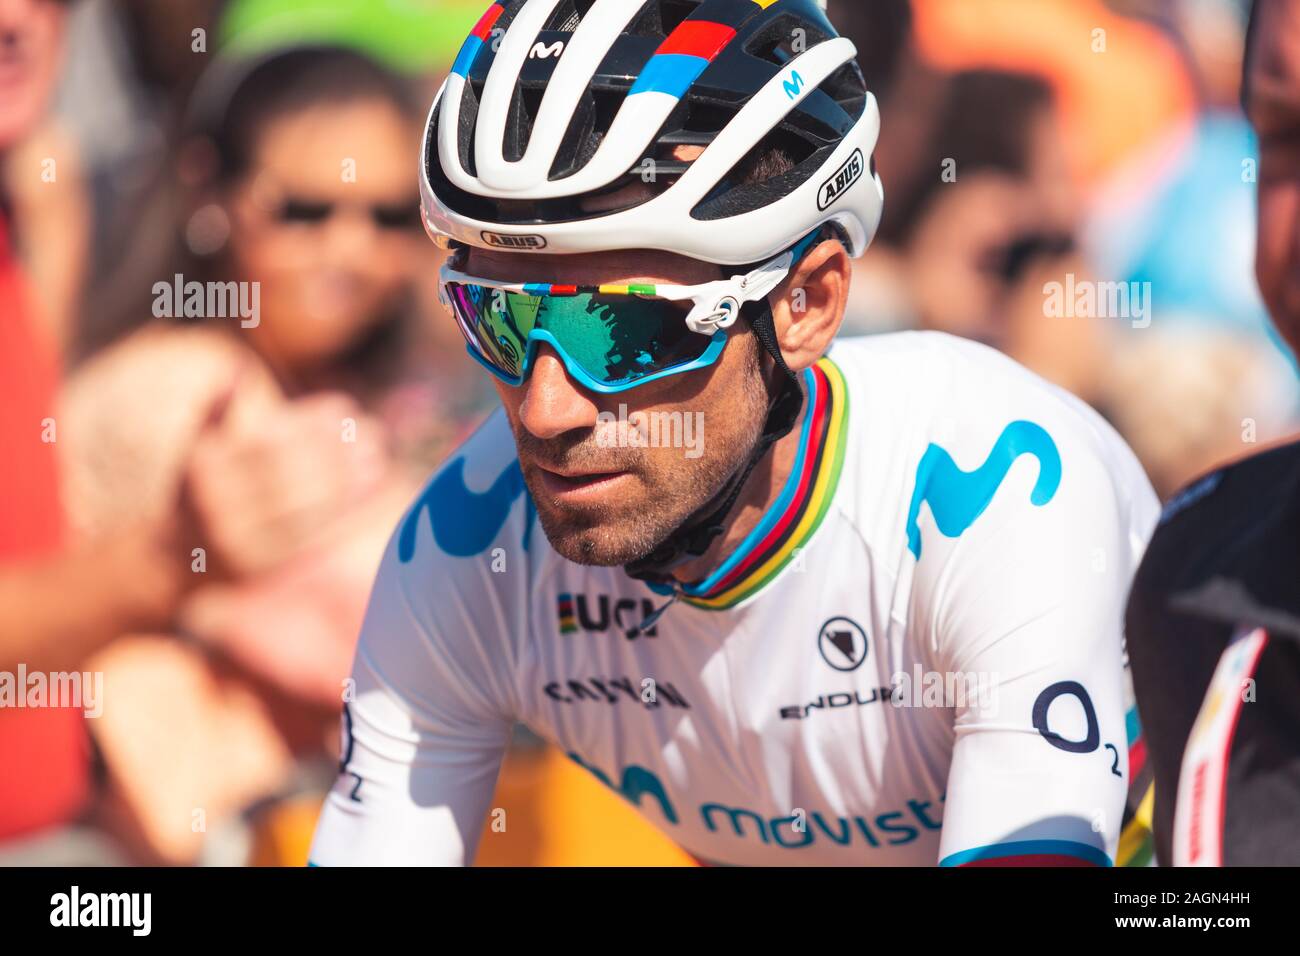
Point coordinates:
pixel 613 338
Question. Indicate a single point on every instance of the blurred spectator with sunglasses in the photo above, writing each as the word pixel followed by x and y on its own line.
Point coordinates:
pixel 295 189
pixel 970 244
pixel 61 599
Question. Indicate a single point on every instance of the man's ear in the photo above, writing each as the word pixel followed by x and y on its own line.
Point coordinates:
pixel 808 307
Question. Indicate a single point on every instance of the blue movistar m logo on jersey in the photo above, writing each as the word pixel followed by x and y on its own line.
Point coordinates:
pixel 957 498
pixel 794 85
pixel 464 522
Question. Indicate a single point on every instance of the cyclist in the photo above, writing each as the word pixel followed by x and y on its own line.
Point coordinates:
pixel 861 606
pixel 1215 610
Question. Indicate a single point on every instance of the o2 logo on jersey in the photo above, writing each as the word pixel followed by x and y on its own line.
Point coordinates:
pixel 843 644
pixel 845 177
pixel 1092 732
pixel 345 753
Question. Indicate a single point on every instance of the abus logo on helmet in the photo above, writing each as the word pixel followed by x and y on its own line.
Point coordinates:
pixel 844 178
pixel 514 242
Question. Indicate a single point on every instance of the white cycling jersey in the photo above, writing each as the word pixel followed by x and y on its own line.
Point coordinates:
pixel 916 657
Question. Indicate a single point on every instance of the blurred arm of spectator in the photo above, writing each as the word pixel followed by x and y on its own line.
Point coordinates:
pixel 55 613
pixel 249 498
pixel 297 497
pixel 41 177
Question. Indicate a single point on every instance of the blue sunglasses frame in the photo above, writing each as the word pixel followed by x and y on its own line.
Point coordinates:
pixel 738 289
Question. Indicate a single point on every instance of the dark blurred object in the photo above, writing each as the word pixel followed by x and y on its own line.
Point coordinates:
pixel 1223 564
pixel 881 30
pixel 161 37
pixel 984 121
pixel 1012 262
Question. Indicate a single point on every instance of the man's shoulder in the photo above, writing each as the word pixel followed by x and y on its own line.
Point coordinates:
pixel 475 504
pixel 951 378
pixel 930 397
pixel 1239 523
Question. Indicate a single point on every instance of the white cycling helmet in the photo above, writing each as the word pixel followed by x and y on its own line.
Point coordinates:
pixel 555 107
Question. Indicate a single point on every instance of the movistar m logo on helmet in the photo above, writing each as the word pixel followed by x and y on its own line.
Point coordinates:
pixel 794 85
pixel 545 51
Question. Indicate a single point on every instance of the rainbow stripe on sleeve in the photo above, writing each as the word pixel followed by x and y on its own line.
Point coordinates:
pixel 1030 853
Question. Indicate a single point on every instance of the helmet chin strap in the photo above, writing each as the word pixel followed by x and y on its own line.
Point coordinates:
pixel 697 533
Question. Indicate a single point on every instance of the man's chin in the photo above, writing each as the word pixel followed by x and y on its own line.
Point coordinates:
pixel 609 543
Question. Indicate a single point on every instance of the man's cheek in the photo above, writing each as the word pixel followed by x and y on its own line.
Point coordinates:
pixel 1277 254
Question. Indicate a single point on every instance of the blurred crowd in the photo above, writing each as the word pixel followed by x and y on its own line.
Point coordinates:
pixel 271 145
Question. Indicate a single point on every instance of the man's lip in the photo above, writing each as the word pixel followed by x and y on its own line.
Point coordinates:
pixel 576 486
pixel 581 475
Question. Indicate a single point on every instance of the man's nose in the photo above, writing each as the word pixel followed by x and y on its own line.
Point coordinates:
pixel 552 403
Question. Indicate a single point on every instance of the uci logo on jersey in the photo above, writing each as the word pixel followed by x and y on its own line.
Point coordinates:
pixel 842 181
pixel 575 614
pixel 524 243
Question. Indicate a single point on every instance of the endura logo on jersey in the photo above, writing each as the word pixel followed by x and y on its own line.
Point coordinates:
pixel 957 498
pixel 625 615
pixel 842 181
pixel 836 701
pixel 843 644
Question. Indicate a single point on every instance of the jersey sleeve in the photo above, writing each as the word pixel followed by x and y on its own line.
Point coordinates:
pixel 1028 608
pixel 432 706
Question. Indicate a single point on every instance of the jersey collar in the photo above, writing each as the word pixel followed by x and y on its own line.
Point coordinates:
pixel 789 522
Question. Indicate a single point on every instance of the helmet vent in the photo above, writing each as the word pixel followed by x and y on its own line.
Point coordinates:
pixel 673 12
pixel 524 107
pixel 776 42
pixel 787 157
pixel 565 17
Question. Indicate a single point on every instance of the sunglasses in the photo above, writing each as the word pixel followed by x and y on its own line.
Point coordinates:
pixel 611 338
pixel 393 217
